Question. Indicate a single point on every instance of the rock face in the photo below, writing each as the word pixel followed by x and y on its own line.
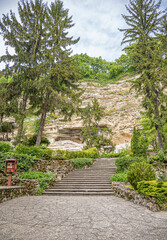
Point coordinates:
pixel 122 113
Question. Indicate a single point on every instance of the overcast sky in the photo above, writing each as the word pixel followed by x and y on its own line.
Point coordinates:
pixel 96 23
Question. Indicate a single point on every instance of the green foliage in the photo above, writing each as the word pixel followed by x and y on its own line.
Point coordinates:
pixel 99 70
pixel 89 153
pixel 24 162
pixel 124 162
pixel 161 156
pixel 119 177
pixel 139 143
pixel 38 152
pixel 6 127
pixel 149 129
pixel 145 30
pixel 160 159
pixel 47 153
pixel 32 140
pixel 154 189
pixel 92 133
pixel 110 155
pixel 124 152
pixel 5 147
pixel 140 171
pixel 43 71
pixel 81 162
pixel 43 178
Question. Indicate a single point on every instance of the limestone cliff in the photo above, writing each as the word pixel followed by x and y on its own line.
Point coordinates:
pixel 122 113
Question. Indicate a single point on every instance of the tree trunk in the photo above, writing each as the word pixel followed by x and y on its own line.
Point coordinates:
pixel 20 129
pixel 160 142
pixel 43 117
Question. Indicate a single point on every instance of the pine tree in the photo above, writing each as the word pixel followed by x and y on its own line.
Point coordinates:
pixel 59 73
pixel 144 22
pixel 42 69
pixel 25 36
pixel 92 133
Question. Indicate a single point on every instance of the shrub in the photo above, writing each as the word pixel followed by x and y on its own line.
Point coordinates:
pixel 139 143
pixel 43 178
pixel 31 141
pixel 47 153
pixel 154 189
pixel 65 155
pixel 81 162
pixel 160 159
pixel 39 152
pixel 110 155
pixel 140 171
pixel 119 177
pixel 33 150
pixel 161 156
pixel 123 163
pixel 5 147
pixel 24 162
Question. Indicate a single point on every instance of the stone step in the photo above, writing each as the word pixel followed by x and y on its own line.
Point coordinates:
pixel 90 175
pixel 86 186
pixel 90 181
pixel 87 177
pixel 81 183
pixel 78 190
pixel 95 169
pixel 93 172
pixel 78 193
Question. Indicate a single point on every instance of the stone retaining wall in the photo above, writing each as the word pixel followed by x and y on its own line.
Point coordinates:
pixel 131 195
pixel 19 187
pixel 60 167
pixel 7 193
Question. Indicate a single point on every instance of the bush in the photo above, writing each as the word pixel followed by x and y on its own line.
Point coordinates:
pixel 81 162
pixel 160 159
pixel 24 162
pixel 39 152
pixel 139 143
pixel 65 155
pixel 31 141
pixel 47 154
pixel 123 163
pixel 43 178
pixel 119 177
pixel 161 156
pixel 110 155
pixel 5 147
pixel 140 171
pixel 154 189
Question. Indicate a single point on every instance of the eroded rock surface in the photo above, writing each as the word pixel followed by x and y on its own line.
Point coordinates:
pixel 122 113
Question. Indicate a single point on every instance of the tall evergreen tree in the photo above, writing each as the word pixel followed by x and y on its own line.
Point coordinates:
pixel 42 69
pixel 25 36
pixel 145 21
pixel 58 70
pixel 92 133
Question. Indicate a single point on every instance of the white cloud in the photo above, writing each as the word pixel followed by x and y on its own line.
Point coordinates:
pixel 96 23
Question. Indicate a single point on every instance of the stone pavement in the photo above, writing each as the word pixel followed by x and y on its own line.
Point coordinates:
pixel 79 218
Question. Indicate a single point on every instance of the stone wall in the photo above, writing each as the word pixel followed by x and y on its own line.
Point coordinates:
pixel 30 184
pixel 60 167
pixel 22 187
pixel 131 195
pixel 7 193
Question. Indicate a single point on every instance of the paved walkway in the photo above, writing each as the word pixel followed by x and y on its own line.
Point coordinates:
pixel 79 218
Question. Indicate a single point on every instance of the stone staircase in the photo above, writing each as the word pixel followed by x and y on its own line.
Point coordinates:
pixel 91 181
